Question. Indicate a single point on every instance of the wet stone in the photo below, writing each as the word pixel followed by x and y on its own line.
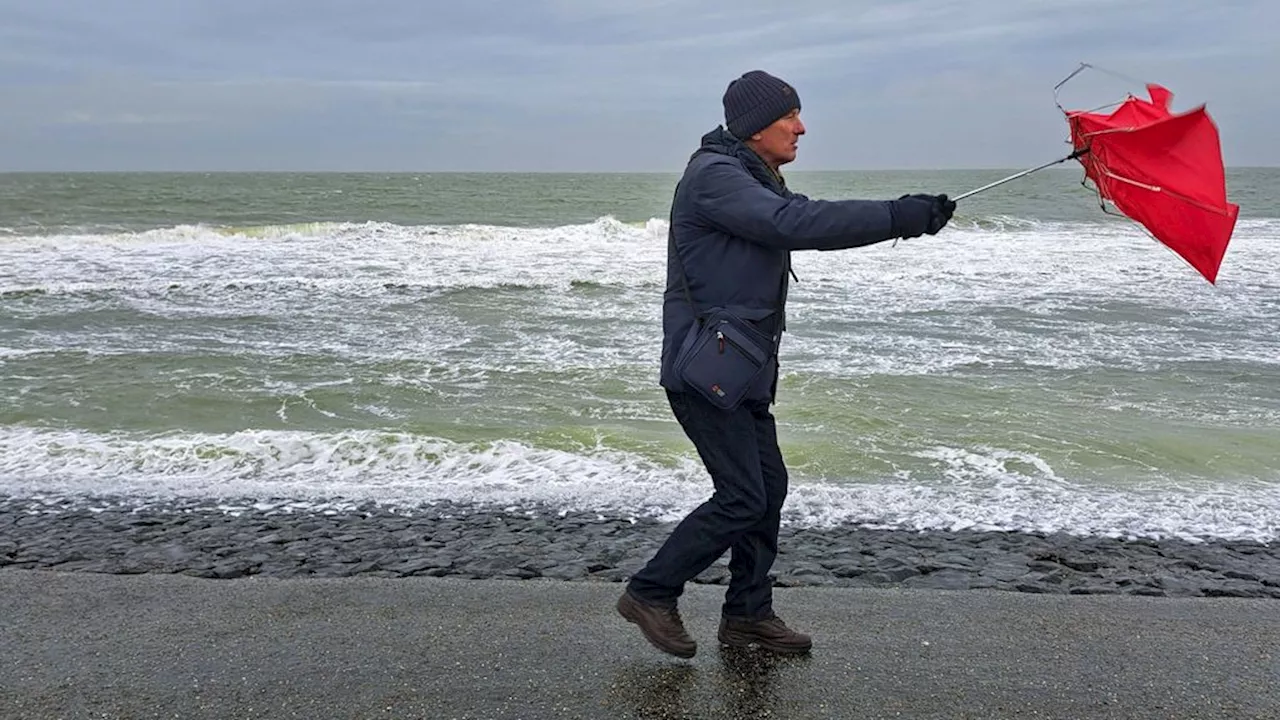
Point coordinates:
pixel 1081 564
pixel 196 537
pixel 565 571
pixel 1004 570
pixel 1094 590
pixel 415 566
pixel 954 560
pixel 949 579
pixel 714 575
pixel 1237 589
pixel 893 576
pixel 1031 587
pixel 849 571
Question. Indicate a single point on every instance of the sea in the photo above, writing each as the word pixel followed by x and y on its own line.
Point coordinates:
pixel 320 341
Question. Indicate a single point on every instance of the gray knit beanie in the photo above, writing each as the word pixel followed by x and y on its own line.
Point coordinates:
pixel 754 101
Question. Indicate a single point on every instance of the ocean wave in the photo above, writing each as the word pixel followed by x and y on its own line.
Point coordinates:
pixel 349 288
pixel 1058 295
pixel 606 225
pixel 977 489
pixel 364 260
pixel 375 250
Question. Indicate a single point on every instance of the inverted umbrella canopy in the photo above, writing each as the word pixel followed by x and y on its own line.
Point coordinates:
pixel 1163 170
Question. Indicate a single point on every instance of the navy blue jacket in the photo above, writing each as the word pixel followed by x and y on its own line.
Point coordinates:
pixel 734 224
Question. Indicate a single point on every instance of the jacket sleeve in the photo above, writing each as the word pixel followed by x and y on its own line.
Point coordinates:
pixel 728 197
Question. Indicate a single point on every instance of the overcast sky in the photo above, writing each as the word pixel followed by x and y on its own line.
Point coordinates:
pixel 601 85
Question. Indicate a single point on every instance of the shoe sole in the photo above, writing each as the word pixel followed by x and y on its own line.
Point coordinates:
pixel 740 640
pixel 628 613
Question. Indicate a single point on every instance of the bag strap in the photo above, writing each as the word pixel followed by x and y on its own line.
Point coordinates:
pixel 684 278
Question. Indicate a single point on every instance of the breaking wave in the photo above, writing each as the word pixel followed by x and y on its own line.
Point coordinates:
pixel 988 489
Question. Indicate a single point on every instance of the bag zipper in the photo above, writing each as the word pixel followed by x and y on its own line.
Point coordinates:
pixel 720 337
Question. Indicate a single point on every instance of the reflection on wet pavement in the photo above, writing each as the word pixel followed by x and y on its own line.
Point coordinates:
pixel 741 684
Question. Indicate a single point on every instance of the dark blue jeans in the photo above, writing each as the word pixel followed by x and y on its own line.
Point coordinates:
pixel 740 451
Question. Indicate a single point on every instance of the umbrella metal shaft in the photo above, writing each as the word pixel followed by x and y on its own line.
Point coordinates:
pixel 1022 174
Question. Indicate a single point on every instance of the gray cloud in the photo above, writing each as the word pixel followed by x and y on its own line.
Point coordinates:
pixel 587 85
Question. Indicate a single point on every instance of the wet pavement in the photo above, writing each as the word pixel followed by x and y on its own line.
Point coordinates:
pixel 76 645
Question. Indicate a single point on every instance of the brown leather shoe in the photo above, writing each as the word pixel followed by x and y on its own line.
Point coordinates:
pixel 661 626
pixel 770 633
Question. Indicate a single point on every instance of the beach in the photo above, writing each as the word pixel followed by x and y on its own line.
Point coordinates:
pixel 155 646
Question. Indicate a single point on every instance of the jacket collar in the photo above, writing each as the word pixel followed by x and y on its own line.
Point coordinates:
pixel 723 142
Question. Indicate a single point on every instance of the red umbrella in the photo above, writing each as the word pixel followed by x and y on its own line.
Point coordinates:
pixel 1161 169
pixel 1164 170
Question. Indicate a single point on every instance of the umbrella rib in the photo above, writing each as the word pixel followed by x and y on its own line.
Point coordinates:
pixel 1108 131
pixel 1089 66
pixel 1131 181
pixel 1159 189
pixel 1073 113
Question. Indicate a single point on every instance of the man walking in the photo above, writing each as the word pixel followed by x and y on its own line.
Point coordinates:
pixel 734 224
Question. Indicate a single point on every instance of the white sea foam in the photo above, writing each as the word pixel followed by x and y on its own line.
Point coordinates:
pixel 969 263
pixel 991 292
pixel 970 488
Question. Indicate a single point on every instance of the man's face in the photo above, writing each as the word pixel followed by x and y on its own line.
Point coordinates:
pixel 776 144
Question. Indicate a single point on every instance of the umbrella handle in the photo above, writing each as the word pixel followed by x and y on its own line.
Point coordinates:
pixel 1024 173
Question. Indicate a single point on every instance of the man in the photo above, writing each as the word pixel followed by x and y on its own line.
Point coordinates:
pixel 734 224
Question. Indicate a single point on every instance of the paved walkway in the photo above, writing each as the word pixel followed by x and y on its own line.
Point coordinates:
pixel 76 645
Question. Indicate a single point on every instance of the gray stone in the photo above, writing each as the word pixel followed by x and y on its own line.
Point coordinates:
pixel 940 580
pixel 195 537
pixel 415 566
pixel 1031 587
pixel 891 576
pixel 1236 588
pixel 1081 564
pixel 1004 570
pixel 714 575
pixel 567 571
pixel 228 570
pixel 1094 590
pixel 848 571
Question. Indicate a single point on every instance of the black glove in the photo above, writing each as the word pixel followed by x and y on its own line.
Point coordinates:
pixel 916 215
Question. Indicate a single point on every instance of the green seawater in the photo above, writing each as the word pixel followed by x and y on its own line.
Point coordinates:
pixel 1039 364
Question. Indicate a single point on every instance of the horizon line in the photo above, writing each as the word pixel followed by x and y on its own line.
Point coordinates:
pixel 197 171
